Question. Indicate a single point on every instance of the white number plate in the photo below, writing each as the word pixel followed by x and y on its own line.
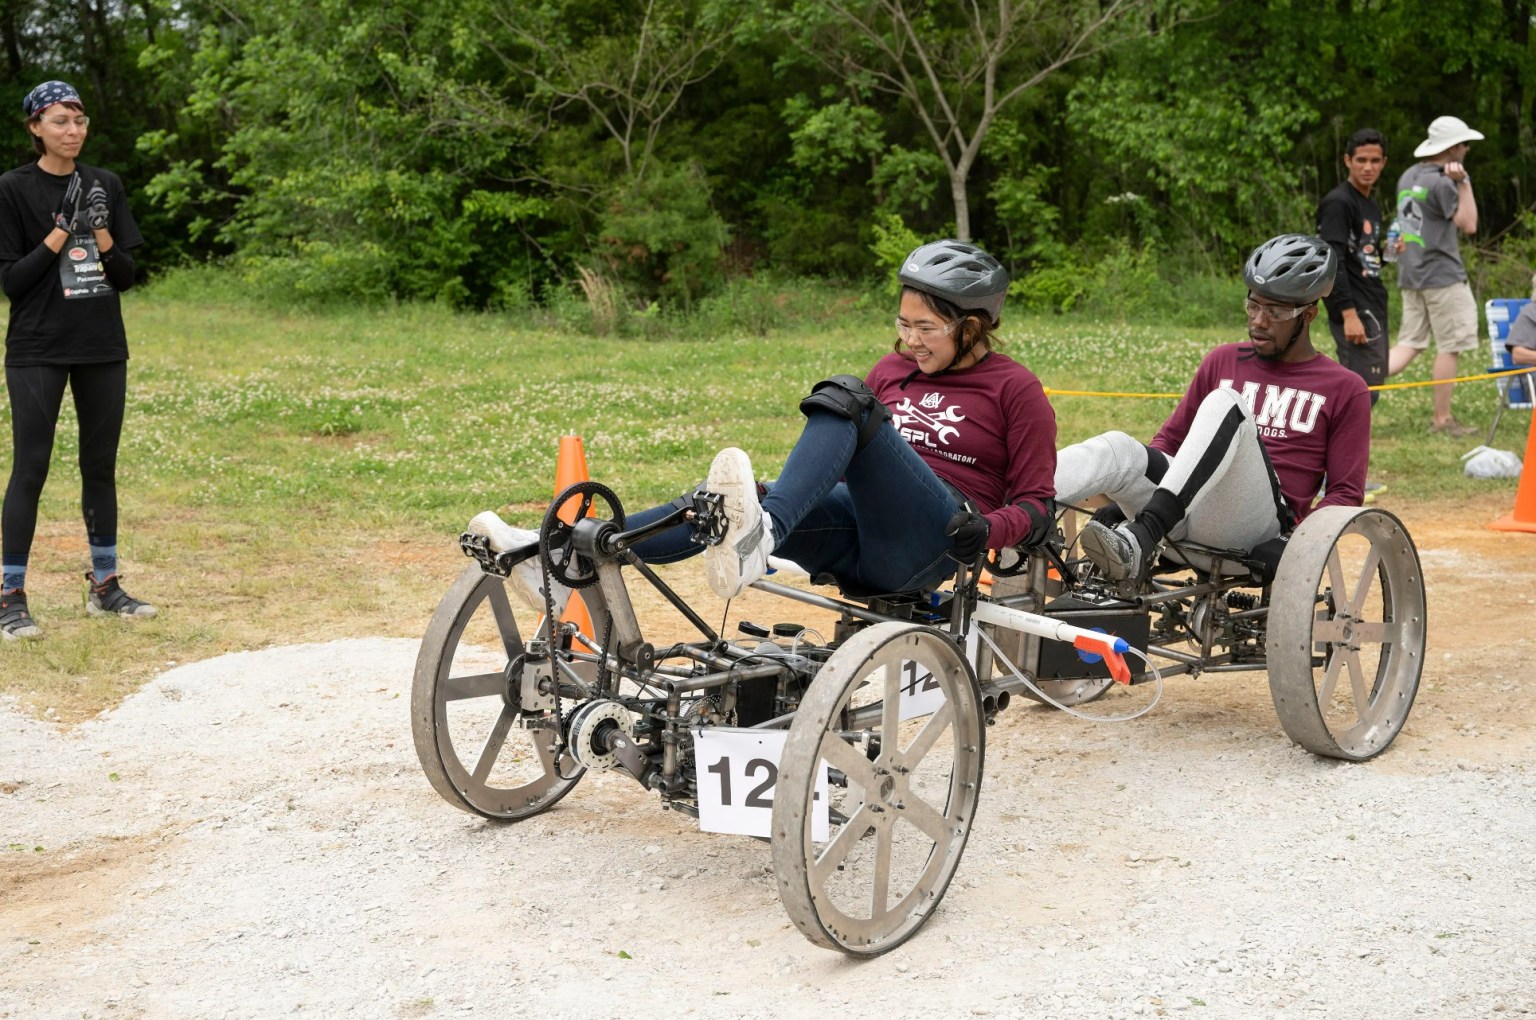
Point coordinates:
pixel 737 773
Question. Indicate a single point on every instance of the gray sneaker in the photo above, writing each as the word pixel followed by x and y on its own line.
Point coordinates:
pixel 107 598
pixel 15 621
pixel 1116 551
pixel 742 555
pixel 527 576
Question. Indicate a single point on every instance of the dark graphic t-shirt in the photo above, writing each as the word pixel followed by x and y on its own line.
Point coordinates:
pixel 1351 224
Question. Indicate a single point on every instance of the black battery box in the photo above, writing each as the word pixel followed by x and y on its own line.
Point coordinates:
pixel 1061 661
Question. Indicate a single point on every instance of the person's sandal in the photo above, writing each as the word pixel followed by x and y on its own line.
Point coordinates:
pixel 109 599
pixel 1453 428
pixel 15 621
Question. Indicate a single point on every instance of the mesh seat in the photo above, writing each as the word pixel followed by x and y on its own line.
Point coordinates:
pixel 1257 564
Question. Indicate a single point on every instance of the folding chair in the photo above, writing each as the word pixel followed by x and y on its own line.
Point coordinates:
pixel 1515 391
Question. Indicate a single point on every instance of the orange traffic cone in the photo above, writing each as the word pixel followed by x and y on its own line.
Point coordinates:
pixel 570 468
pixel 1523 517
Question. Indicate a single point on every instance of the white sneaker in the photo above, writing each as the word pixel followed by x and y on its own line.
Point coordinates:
pixel 527 576
pixel 742 555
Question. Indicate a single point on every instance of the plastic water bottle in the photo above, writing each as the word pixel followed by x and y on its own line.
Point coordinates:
pixel 1389 247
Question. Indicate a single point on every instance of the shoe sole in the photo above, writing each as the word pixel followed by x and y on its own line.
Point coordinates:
pixel 24 634
pixel 501 534
pixel 730 476
pixel 1104 555
pixel 94 610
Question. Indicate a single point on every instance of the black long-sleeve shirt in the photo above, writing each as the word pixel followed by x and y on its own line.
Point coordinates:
pixel 46 327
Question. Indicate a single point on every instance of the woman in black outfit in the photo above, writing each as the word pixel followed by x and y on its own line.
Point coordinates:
pixel 65 233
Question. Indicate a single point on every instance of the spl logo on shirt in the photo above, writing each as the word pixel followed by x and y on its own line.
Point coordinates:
pixel 926 413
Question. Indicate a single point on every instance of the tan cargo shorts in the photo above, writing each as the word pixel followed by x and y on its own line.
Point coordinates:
pixel 1450 313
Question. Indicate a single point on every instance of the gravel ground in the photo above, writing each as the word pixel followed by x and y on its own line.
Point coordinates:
pixel 252 836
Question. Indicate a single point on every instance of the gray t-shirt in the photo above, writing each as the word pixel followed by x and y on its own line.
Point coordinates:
pixel 1426 201
pixel 1522 332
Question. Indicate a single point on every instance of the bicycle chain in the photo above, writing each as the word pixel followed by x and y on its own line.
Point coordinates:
pixel 551 625
pixel 547 530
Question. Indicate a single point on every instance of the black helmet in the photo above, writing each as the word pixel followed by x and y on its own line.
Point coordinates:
pixel 1294 268
pixel 960 273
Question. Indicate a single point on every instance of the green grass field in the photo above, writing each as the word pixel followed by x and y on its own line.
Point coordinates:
pixel 288 477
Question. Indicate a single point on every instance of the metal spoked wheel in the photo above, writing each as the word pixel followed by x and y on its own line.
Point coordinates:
pixel 465 709
pixel 894 717
pixel 1346 632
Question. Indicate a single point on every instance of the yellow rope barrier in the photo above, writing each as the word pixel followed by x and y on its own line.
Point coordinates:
pixel 1053 392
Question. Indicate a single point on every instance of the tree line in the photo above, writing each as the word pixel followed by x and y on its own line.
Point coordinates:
pixel 487 153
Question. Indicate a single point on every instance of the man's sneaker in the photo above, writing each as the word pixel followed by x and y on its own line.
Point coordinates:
pixel 742 555
pixel 15 621
pixel 528 575
pixel 109 599
pixel 1372 490
pixel 1117 551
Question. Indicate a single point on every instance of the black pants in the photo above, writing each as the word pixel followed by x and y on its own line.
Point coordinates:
pixel 37 393
pixel 1368 360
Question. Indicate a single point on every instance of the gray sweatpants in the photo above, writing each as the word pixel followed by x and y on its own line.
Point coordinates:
pixel 1220 476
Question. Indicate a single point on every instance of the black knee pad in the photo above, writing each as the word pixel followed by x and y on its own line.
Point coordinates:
pixel 848 396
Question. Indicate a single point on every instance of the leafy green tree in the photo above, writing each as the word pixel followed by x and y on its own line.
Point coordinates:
pixel 956 67
pixel 660 236
pixel 608 82
pixel 351 161
pixel 624 65
pixel 1190 122
pixel 488 154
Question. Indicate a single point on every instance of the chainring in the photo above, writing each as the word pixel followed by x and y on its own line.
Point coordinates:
pixel 556 546
pixel 1007 563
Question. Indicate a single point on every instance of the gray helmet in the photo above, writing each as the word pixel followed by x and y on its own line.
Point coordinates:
pixel 960 273
pixel 1294 268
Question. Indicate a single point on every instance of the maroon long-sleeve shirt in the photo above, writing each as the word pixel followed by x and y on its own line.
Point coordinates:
pixel 1314 418
pixel 988 430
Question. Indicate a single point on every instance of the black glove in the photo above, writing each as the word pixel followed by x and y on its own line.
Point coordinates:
pixel 1042 523
pixel 967 534
pixel 70 216
pixel 96 211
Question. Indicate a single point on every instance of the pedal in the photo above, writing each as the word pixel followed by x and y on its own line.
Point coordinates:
pixel 478 548
pixel 707 523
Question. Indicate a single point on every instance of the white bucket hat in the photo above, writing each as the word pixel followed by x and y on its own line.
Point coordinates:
pixel 1445 132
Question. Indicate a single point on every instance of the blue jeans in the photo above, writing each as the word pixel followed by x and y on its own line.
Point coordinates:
pixel 872 519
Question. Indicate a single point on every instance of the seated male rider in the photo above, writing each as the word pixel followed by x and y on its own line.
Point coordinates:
pixel 1242 457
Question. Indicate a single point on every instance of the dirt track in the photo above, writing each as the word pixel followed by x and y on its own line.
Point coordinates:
pixel 251 836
